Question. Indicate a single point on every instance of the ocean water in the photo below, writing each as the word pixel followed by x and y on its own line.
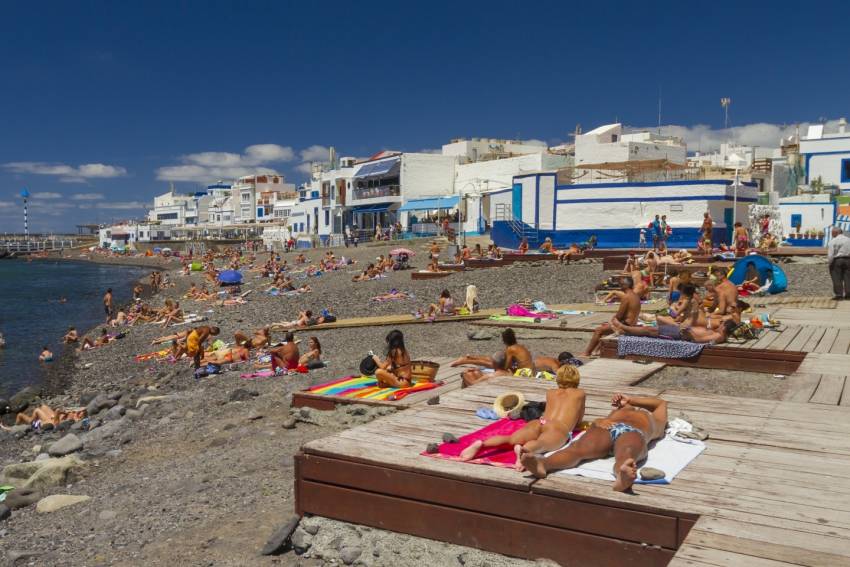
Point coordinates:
pixel 31 315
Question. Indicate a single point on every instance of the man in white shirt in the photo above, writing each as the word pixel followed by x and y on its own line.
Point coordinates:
pixel 838 255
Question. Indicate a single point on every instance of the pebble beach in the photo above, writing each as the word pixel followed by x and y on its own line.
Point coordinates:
pixel 183 471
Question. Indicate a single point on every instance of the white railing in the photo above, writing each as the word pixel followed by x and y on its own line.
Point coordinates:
pixel 19 246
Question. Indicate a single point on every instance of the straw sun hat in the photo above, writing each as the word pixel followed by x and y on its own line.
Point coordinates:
pixel 509 404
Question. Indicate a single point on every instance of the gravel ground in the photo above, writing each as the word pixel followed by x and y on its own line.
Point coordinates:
pixel 204 475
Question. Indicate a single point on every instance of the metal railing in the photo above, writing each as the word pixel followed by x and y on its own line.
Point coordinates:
pixel 20 246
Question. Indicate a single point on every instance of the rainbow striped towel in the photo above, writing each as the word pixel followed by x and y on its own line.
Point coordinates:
pixel 366 388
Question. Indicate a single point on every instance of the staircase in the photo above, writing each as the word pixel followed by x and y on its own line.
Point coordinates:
pixel 520 229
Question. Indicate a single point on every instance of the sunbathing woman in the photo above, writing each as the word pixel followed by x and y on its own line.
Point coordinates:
pixel 44 414
pixel 444 306
pixel 395 370
pixel 564 410
pixel 514 357
pixel 625 433
pixel 261 338
pixel 100 341
pixel 313 357
pixel 226 356
pixel 571 253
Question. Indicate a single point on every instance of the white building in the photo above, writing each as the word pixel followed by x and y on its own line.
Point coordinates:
pixel 733 156
pixel 826 155
pixel 173 209
pixel 484 149
pixel 251 195
pixel 608 144
pixel 807 212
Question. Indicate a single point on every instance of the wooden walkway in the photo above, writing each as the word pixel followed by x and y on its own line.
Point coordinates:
pixel 771 488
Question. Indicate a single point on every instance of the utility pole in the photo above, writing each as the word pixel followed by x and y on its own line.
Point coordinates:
pixel 725 102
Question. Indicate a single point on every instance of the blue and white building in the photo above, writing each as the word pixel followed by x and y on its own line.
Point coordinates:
pixel 537 206
pixel 826 155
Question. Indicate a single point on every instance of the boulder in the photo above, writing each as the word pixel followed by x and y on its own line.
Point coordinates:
pixel 280 540
pixel 115 412
pixel 42 474
pixel 22 497
pixel 21 401
pixel 5 512
pixel 350 554
pixel 103 432
pixel 58 501
pixel 100 402
pixel 242 395
pixel 68 444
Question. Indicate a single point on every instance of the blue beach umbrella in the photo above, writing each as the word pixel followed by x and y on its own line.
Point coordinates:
pixel 230 277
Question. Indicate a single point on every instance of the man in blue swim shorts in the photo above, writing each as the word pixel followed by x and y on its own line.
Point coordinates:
pixel 625 433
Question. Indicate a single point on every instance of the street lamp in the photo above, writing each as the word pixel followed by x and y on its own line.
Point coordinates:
pixel 738 161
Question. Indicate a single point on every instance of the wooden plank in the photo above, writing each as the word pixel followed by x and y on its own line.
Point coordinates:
pixel 801 339
pixel 814 340
pixel 483 531
pixel 826 342
pixel 829 390
pixel 842 342
pixel 788 335
pixel 801 387
pixel 826 363
pixel 690 554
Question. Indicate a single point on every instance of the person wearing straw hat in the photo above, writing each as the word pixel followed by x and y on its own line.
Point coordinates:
pixel 625 433
pixel 564 410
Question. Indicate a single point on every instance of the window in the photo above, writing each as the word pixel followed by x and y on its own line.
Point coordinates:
pixel 166 216
pixel 677 208
pixel 246 197
pixel 797 221
pixel 327 217
pixel 845 171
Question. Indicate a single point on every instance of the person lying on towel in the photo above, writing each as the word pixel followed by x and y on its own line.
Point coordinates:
pixel 628 313
pixel 625 433
pixel 564 410
pixel 514 357
pixel 675 331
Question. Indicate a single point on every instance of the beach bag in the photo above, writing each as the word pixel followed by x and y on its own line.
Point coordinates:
pixel 532 411
pixel 745 332
pixel 423 370
pixel 368 366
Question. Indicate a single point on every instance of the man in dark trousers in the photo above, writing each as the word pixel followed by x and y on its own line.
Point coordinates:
pixel 838 255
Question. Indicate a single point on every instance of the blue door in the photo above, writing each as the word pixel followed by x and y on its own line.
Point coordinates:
pixel 727 220
pixel 516 201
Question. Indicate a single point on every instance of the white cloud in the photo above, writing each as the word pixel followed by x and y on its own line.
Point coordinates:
pixel 67 173
pixel 121 205
pixel 704 138
pixel 7 205
pixel 204 167
pixel 46 195
pixel 87 197
pixel 315 153
pixel 305 168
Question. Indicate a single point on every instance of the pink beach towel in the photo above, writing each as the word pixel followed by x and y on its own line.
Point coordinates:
pixel 502 456
pixel 520 311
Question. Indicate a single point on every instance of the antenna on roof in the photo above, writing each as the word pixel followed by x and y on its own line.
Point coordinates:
pixel 725 102
pixel 659 110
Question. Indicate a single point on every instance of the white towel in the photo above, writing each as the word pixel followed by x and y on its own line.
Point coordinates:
pixel 668 454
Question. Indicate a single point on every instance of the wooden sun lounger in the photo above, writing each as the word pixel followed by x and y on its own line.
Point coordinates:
pixel 767 491
pixel 429 275
pixel 725 357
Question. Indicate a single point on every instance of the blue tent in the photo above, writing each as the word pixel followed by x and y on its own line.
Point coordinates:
pixel 230 277
pixel 766 269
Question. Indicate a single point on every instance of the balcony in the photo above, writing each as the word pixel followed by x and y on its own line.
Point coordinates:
pixel 360 193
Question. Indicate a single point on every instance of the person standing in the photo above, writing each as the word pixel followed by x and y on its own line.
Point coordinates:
pixel 107 304
pixel 656 232
pixel 664 229
pixel 838 257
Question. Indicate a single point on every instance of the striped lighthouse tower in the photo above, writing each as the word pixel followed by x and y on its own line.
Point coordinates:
pixel 26 195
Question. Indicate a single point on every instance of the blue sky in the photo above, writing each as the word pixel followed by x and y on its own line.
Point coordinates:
pixel 102 103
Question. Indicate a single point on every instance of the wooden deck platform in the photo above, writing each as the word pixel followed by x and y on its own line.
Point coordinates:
pixel 771 488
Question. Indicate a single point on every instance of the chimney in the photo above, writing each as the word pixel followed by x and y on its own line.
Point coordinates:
pixel 842 125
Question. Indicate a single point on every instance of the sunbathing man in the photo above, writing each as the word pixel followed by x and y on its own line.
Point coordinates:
pixel 547 247
pixel 727 292
pixel 564 410
pixel 71 336
pixel 195 342
pixel 627 313
pixel 625 433
pixel 550 364
pixel 45 414
pixel 285 356
pixel 570 253
pixel 514 357
pixel 100 341
pixel 261 338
